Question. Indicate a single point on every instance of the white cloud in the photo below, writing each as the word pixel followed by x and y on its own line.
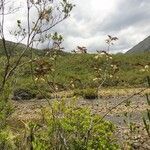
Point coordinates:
pixel 91 21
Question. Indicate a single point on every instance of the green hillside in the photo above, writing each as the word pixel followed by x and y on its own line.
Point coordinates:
pixel 15 48
pixel 131 69
pixel 12 47
pixel 80 70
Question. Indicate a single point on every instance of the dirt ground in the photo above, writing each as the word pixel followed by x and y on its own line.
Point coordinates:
pixel 132 111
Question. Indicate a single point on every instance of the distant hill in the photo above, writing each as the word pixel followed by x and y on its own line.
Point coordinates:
pixel 143 46
pixel 12 47
pixel 81 68
pixel 15 48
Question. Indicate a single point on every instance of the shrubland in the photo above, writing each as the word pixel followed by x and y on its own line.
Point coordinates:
pixel 76 71
pixel 28 73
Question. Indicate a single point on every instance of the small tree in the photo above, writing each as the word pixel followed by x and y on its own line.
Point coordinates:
pixel 110 41
pixel 47 14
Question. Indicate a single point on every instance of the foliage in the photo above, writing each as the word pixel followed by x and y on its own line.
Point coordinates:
pixel 78 71
pixel 65 125
pixel 147 121
pixel 6 109
pixel 7 141
pixel 68 126
pixel 89 93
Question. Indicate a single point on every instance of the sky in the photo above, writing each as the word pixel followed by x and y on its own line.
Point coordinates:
pixel 92 20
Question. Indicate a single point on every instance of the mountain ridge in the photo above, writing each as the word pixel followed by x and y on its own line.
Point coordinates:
pixel 11 47
pixel 143 46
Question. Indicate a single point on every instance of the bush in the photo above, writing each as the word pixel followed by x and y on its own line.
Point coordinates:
pixel 23 94
pixel 7 139
pixel 87 93
pixel 6 110
pixel 67 126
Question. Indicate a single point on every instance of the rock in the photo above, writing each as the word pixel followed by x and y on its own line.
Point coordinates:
pixel 23 94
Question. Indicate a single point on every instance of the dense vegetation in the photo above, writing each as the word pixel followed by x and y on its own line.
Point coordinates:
pixel 79 71
pixel 64 124
pixel 30 74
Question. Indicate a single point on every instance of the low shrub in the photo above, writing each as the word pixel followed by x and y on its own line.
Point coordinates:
pixel 23 94
pixel 87 93
pixel 68 126
pixel 6 109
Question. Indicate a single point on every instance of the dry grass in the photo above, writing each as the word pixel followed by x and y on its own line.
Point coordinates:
pixel 117 92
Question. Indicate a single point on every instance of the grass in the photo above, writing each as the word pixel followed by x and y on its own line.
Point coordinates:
pixel 76 71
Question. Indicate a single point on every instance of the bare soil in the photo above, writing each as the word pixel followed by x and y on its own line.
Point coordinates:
pixel 122 116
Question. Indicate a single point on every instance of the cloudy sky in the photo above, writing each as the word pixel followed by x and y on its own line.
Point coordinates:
pixel 91 21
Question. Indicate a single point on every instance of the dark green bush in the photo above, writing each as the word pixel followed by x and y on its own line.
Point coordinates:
pixel 87 93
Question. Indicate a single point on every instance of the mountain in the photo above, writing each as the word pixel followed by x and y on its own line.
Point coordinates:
pixel 143 46
pixel 13 48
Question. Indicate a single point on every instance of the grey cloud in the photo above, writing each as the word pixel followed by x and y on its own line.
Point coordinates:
pixel 129 20
pixel 129 13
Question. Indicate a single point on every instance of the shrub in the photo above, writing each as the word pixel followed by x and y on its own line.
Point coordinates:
pixel 68 126
pixel 6 110
pixel 87 93
pixel 7 139
pixel 23 94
